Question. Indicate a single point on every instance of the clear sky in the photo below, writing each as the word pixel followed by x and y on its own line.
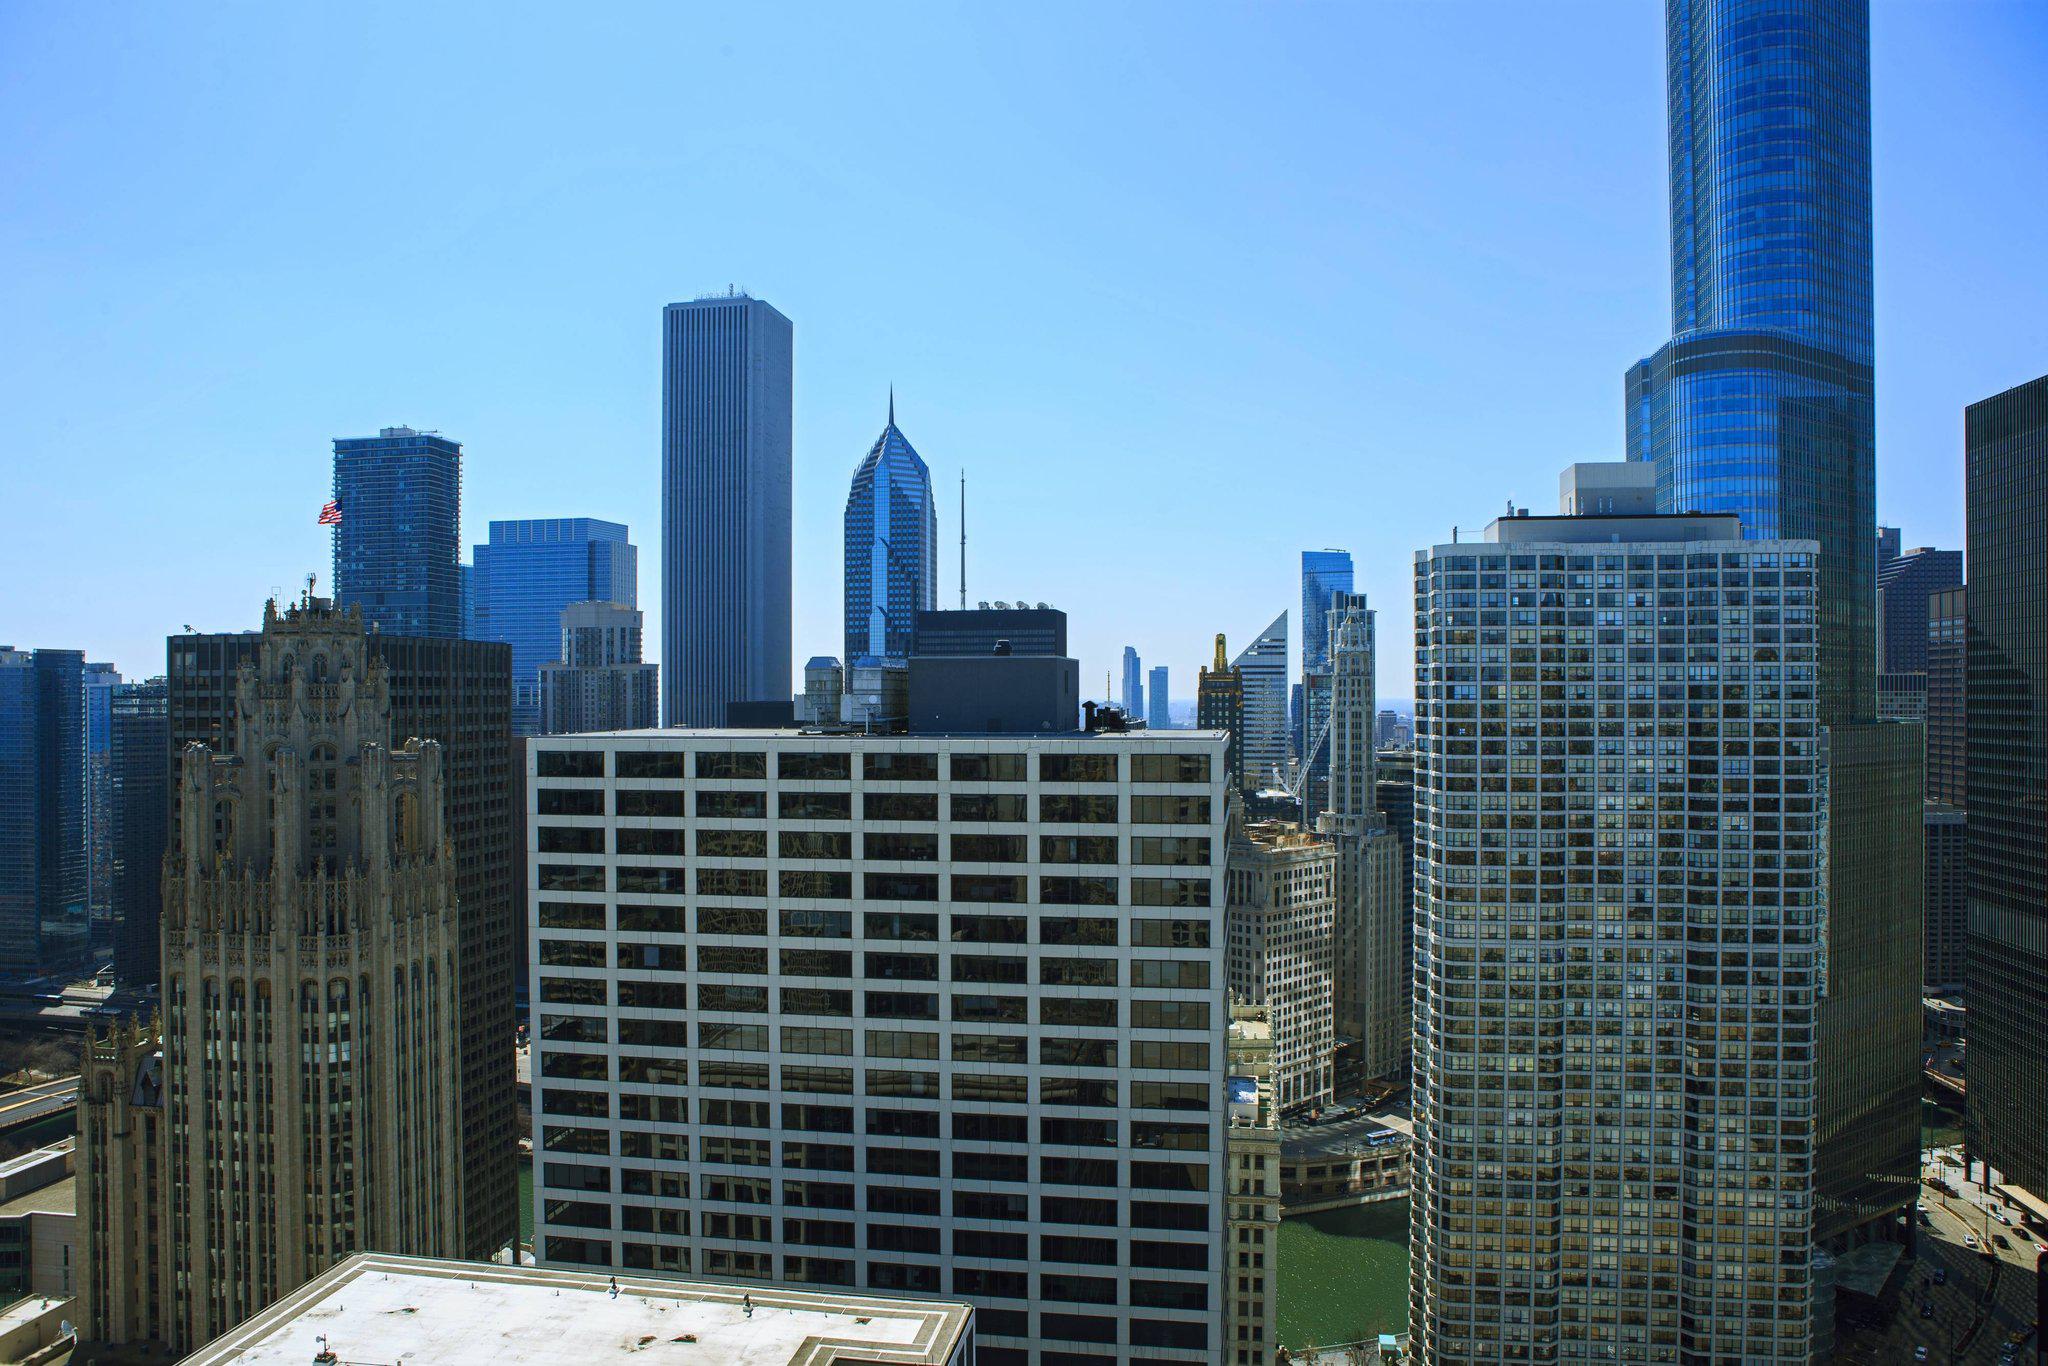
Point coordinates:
pixel 1186 288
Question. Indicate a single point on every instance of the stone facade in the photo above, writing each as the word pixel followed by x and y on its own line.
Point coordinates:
pixel 1283 910
pixel 1252 1239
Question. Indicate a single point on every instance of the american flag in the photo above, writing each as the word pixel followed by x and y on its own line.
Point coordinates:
pixel 330 514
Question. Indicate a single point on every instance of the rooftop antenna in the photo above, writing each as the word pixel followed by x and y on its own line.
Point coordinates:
pixel 963 522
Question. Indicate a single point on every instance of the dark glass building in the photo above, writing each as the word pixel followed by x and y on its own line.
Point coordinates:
pixel 1903 589
pixel 1947 683
pixel 892 548
pixel 397 551
pixel 522 579
pixel 1039 630
pixel 139 761
pixel 43 922
pixel 2006 473
pixel 457 692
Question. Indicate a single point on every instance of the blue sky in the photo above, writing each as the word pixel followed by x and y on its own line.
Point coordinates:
pixel 1185 288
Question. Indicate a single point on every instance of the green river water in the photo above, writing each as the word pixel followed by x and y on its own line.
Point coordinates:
pixel 1343 1274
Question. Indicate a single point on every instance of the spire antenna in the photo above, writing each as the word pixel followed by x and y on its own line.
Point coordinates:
pixel 892 405
pixel 963 534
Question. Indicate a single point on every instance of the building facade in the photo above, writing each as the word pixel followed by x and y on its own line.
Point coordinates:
pixel 892 547
pixel 527 574
pixel 99 682
pixel 1026 630
pixel 1948 616
pixel 397 549
pixel 911 1013
pixel 459 693
pixel 1251 1326
pixel 1282 920
pixel 1946 899
pixel 2006 755
pixel 1324 574
pixel 1587 1003
pixel 311 1032
pixel 126 1282
pixel 1133 697
pixel 43 917
pixel 1158 705
pixel 599 682
pixel 139 760
pixel 725 509
pixel 1262 668
pixel 1219 705
pixel 1903 589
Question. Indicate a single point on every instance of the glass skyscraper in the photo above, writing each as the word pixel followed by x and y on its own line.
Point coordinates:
pixel 892 547
pixel 42 811
pixel 528 572
pixel 139 759
pixel 1262 665
pixel 396 552
pixel 725 511
pixel 1324 574
pixel 1761 402
pixel 1159 710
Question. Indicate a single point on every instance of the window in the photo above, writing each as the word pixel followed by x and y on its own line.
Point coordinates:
pixel 989 848
pixel 901 967
pixel 1170 934
pixel 1077 848
pixel 831 1043
pixel 992 1087
pixel 969 1166
pixel 729 920
pixel 650 763
pixel 992 1204
pixel 575 1066
pixel 816 1001
pixel 1187 851
pixel 655 1071
pixel 569 877
pixel 888 766
pixel 712 763
pixel 1169 891
pixel 569 763
pixel 978 968
pixel 573 991
pixel 831 1081
pixel 732 843
pixel 570 801
pixel 563 1138
pixel 1067 1247
pixel 570 915
pixel 990 1048
pixel 1077 891
pixel 1077 768
pixel 1078 1209
pixel 910 925
pixel 1169 972
pixel 1091 931
pixel 1165 1214
pixel 901 1005
pixel 817 1195
pixel 1169 1014
pixel 1173 1176
pixel 980 1127
pixel 1077 810
pixel 917 847
pixel 572 1029
pixel 732 882
pixel 990 807
pixel 817 1157
pixel 828 844
pixel 1077 1052
pixel 720 996
pixel 748 1076
pixel 572 953
pixel 658 842
pixel 815 882
pixel 722 1036
pixel 815 806
pixel 906 1085
pixel 900 806
pixel 1008 1285
pixel 906 1124
pixel 1078 972
pixel 632 802
pixel 655 1033
pixel 731 958
pixel 817 1119
pixel 822 766
pixel 817 963
pixel 1169 768
pixel 901 886
pixel 732 805
pixel 1174 1137
pixel 1077 1091
pixel 1161 810
pixel 988 887
pixel 970 1242
pixel 1170 1056
pixel 1085 1013
pixel 737 1114
pixel 810 924
pixel 987 768
pixel 988 1009
pixel 989 929
pixel 660 881
pixel 1077 1171
pixel 898 1043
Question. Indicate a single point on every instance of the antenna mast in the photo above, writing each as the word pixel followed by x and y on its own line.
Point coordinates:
pixel 963 538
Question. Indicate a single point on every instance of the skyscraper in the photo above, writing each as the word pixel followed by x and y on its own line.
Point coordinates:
pixel 1594 1018
pixel 527 574
pixel 1280 925
pixel 1903 589
pixel 1159 712
pixel 1133 699
pixel 43 922
pixel 397 549
pixel 599 683
pixel 1947 695
pixel 1219 705
pixel 2006 472
pixel 459 689
pixel 1262 666
pixel 1889 539
pixel 99 682
pixel 892 547
pixel 312 1033
pixel 139 761
pixel 1324 574
pixel 725 507
pixel 1761 406
pixel 1761 403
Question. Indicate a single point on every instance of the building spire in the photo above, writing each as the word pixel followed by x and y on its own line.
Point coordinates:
pixel 892 405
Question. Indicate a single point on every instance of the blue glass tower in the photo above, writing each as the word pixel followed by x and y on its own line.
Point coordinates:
pixel 892 544
pixel 396 551
pixel 139 750
pixel 43 925
pixel 1761 402
pixel 523 578
pixel 1324 574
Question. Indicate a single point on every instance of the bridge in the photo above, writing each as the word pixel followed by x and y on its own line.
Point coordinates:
pixel 33 1104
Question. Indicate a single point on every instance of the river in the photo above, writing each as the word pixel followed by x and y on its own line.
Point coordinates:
pixel 1343 1274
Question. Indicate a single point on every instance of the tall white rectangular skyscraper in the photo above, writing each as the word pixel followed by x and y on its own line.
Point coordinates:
pixel 725 507
pixel 1619 818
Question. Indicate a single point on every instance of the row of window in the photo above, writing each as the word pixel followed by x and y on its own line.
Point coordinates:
pixel 875 766
pixel 981 1088
pixel 987 808
pixel 936 1164
pixel 914 926
pixel 831 885
pixel 916 846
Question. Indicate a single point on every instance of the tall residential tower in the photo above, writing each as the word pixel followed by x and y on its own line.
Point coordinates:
pixel 397 551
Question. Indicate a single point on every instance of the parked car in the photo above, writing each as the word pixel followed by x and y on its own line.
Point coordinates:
pixel 1941 1275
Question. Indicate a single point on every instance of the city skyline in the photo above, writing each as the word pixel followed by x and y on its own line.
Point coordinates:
pixel 982 383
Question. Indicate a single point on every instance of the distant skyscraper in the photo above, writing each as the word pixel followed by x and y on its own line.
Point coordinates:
pixel 1219 705
pixel 1888 543
pixel 139 760
pixel 1324 574
pixel 1946 897
pixel 43 921
pixel 725 509
pixel 1133 700
pixel 1903 588
pixel 599 682
pixel 1565 1129
pixel 2006 473
pixel 892 547
pixel 1158 715
pixel 527 574
pixel 99 682
pixel 397 550
pixel 1263 667
pixel 1947 691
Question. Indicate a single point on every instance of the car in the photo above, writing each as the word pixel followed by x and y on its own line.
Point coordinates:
pixel 1941 1275
pixel 1920 1353
pixel 1927 1309
pixel 1970 1240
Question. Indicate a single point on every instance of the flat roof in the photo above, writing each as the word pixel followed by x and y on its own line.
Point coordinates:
pixel 59 1197
pixel 375 1307
pixel 750 733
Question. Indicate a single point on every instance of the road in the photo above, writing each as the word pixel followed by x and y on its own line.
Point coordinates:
pixel 32 1103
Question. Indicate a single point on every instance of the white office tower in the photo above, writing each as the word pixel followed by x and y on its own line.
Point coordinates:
pixel 1283 910
pixel 1618 826
pixel 1373 1001
pixel 1263 667
pixel 930 1014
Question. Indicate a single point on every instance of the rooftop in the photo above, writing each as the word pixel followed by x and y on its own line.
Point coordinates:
pixel 751 734
pixel 59 1197
pixel 380 1308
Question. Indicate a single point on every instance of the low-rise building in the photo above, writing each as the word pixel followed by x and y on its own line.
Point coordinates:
pixel 38 1224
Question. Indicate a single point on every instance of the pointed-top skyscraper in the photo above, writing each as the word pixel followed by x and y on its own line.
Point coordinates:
pixel 892 542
